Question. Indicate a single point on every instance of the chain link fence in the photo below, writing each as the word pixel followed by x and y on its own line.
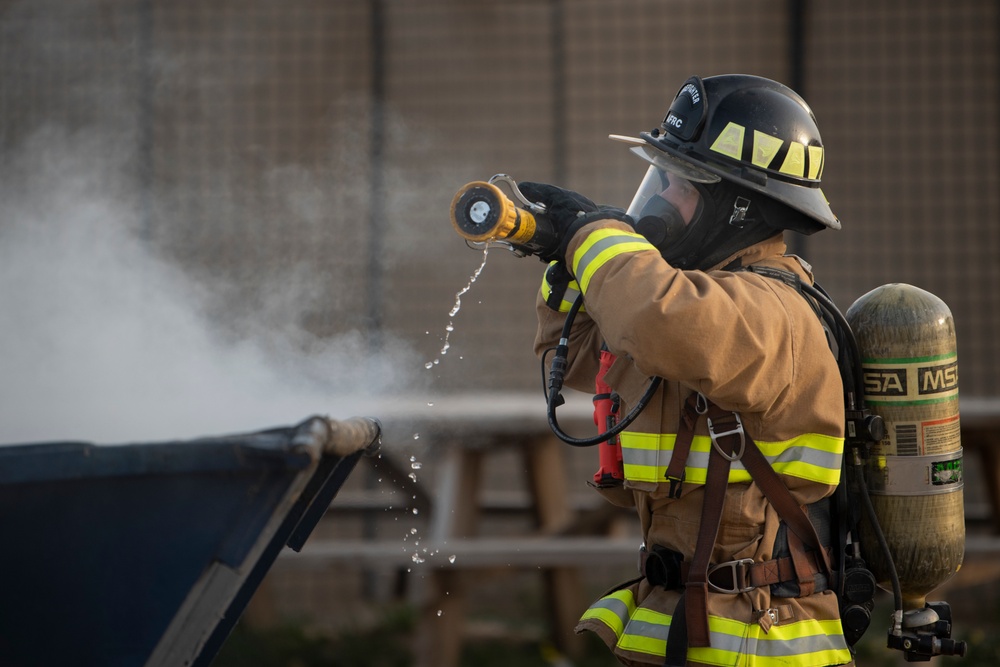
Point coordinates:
pixel 298 158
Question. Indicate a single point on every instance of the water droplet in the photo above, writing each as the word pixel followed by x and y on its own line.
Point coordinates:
pixel 450 327
pixel 416 511
pixel 413 531
pixel 416 436
pixel 440 612
pixel 429 365
pixel 430 404
pixel 416 558
pixel 412 476
pixel 451 559
pixel 416 465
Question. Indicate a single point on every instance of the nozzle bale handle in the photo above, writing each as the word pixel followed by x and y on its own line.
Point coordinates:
pixel 480 212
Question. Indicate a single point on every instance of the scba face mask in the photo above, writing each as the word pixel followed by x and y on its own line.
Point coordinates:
pixel 694 224
pixel 664 206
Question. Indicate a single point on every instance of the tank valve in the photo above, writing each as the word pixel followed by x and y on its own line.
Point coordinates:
pixel 927 633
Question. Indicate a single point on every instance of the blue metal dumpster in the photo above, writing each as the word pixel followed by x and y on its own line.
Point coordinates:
pixel 147 554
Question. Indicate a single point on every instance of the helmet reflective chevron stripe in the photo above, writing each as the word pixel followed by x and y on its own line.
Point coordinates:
pixel 812 643
pixel 601 246
pixel 811 456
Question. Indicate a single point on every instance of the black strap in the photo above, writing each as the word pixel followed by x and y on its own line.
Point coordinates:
pixel 787 277
pixel 558 279
pixel 676 654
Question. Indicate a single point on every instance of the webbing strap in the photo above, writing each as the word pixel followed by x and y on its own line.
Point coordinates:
pixel 694 407
pixel 676 653
pixel 693 604
pixel 807 584
pixel 784 504
pixel 716 481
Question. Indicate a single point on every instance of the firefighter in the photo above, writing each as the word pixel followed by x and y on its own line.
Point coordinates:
pixel 687 286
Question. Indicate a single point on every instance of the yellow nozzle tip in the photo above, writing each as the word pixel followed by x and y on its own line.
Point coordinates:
pixel 481 212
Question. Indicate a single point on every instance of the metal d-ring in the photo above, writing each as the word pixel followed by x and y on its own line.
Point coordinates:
pixel 736 455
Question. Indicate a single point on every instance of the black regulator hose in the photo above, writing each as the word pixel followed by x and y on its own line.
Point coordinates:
pixel 853 380
pixel 557 374
pixel 897 591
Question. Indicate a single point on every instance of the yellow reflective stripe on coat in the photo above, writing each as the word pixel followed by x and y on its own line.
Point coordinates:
pixel 811 456
pixel 569 296
pixel 602 245
pixel 806 643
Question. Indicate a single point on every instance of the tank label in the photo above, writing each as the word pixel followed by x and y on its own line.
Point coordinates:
pixel 940 435
pixel 946 473
pixel 911 381
pixel 919 438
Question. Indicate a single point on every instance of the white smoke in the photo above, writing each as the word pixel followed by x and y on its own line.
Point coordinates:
pixel 101 339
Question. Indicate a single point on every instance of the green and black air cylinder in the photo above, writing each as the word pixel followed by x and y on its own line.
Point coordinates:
pixel 907 341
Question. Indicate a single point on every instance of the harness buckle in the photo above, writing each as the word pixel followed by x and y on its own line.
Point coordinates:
pixel 675 486
pixel 740 571
pixel 738 429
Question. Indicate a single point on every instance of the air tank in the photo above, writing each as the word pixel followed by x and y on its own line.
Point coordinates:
pixel 906 338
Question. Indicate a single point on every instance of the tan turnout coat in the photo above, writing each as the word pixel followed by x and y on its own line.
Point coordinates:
pixel 751 344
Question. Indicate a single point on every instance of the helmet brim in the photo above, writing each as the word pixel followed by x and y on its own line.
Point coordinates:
pixel 806 200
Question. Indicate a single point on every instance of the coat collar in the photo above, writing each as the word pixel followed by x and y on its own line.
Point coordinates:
pixel 772 248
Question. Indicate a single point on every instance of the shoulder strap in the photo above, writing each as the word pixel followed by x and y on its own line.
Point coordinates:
pixel 695 406
pixel 720 460
pixel 730 442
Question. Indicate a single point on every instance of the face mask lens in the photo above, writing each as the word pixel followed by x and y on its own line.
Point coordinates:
pixel 661 190
pixel 663 207
pixel 684 196
pixel 653 183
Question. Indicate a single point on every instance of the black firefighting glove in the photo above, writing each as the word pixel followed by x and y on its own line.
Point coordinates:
pixel 568 211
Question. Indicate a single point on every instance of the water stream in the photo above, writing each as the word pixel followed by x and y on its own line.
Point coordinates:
pixel 454 310
pixel 419 555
